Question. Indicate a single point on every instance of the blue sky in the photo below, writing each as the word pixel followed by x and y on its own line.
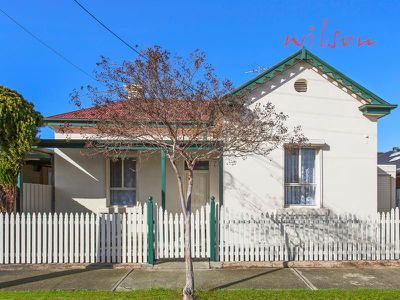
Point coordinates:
pixel 236 36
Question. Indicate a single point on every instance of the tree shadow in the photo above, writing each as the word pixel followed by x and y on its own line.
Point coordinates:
pixel 244 279
pixel 52 275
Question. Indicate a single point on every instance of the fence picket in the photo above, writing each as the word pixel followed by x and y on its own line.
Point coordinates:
pixel 60 238
pixel 144 231
pixel 123 253
pixel 176 239
pixel 92 238
pixel 72 221
pixel 134 235
pixel 202 233
pixel 140 243
pixel 181 235
pixel 171 235
pixel 17 238
pixel 397 233
pixel 129 237
pixel 34 239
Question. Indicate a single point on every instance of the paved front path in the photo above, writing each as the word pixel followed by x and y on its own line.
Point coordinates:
pixel 173 277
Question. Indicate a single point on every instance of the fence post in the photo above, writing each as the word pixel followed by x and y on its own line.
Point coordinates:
pixel 212 229
pixel 150 236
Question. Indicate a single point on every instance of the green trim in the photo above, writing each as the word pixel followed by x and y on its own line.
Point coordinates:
pixel 80 144
pixel 376 109
pixel 306 56
pixel 150 233
pixel 19 190
pixel 39 155
pixel 213 243
pixel 51 143
pixel 221 180
pixel 163 179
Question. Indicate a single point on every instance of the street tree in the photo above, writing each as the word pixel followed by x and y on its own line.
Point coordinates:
pixel 178 105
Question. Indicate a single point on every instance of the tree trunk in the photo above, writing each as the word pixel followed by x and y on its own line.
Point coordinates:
pixel 7 198
pixel 188 290
pixel 186 202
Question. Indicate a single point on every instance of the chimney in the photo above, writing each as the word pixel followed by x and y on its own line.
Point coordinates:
pixel 134 90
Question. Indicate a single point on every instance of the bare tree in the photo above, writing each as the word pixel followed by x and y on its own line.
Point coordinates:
pixel 179 106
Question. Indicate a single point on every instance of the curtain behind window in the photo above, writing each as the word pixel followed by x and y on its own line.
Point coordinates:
pixel 300 184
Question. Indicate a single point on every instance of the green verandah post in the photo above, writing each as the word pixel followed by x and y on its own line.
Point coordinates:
pixel 150 235
pixel 212 230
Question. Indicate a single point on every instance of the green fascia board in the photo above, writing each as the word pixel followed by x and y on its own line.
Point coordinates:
pixel 80 144
pixel 34 155
pixel 307 56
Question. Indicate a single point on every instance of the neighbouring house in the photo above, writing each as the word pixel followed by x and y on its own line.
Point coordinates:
pixel 336 172
pixel 389 179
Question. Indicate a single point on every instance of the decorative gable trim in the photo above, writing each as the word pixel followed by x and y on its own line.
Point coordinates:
pixel 375 106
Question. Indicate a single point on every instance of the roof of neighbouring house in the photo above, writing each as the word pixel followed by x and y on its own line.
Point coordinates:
pixel 390 158
pixel 375 105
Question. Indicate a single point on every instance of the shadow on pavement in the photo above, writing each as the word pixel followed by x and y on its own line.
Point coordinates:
pixel 244 279
pixel 52 275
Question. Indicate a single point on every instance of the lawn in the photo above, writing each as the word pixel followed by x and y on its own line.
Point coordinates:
pixel 218 294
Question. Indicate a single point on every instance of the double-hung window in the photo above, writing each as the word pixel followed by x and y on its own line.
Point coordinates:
pixel 300 176
pixel 123 181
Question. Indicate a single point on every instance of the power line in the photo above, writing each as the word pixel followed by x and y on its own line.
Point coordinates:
pixel 47 45
pixel 122 40
pixel 109 30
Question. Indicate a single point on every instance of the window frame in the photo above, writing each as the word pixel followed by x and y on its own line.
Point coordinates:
pixel 318 177
pixel 108 181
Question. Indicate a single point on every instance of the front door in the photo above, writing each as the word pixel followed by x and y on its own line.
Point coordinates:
pixel 200 193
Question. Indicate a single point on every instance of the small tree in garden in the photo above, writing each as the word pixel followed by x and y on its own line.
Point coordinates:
pixel 18 127
pixel 179 106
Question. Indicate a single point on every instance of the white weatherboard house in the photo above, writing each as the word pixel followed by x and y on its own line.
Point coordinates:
pixel 336 172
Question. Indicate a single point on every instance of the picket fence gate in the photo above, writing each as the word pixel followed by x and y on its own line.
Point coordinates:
pixel 170 234
pixel 149 233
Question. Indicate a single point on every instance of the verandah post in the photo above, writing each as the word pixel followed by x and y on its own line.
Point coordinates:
pixel 212 230
pixel 150 235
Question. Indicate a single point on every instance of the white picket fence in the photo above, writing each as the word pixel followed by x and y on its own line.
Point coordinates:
pixel 74 238
pixel 308 237
pixel 36 197
pixel 170 234
pixel 123 238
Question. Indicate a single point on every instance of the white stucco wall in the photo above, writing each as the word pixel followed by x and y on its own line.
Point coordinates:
pixel 81 185
pixel 348 160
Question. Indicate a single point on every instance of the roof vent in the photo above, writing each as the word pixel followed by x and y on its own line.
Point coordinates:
pixel 300 86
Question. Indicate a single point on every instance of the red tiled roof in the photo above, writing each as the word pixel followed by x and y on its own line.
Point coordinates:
pixel 178 111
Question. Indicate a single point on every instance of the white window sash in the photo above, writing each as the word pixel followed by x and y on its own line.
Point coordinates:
pixel 299 183
pixel 122 187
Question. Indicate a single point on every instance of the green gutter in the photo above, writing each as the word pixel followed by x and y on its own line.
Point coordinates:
pixel 65 143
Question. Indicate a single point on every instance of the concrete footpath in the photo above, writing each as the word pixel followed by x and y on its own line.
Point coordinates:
pixel 171 275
